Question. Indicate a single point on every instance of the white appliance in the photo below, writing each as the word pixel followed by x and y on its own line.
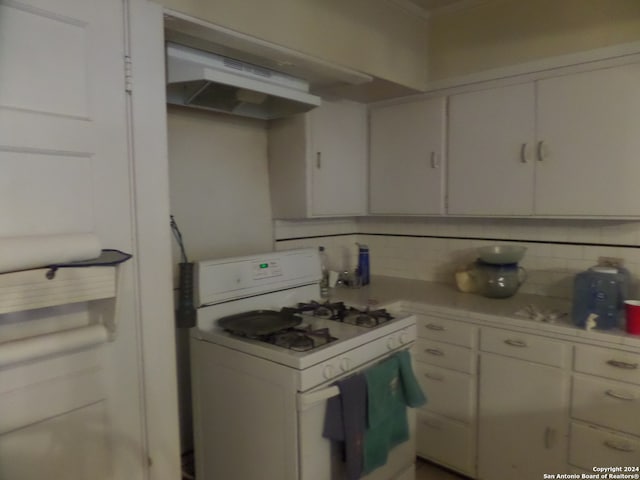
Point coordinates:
pixel 206 80
pixel 259 407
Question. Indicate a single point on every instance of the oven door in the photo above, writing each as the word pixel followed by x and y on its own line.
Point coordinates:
pixel 319 457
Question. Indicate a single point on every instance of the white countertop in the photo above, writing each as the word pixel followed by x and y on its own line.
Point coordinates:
pixel 445 300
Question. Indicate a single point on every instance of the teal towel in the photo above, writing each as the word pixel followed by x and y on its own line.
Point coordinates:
pixel 387 424
pixel 391 386
pixel 410 386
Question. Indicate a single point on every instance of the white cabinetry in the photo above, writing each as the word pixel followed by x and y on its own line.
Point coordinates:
pixel 605 426
pixel 318 162
pixel 491 134
pixel 445 367
pixel 523 408
pixel 406 169
pixel 560 146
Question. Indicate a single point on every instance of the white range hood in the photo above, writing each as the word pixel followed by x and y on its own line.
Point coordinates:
pixel 206 80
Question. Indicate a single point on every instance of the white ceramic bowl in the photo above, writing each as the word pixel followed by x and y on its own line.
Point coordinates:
pixel 501 254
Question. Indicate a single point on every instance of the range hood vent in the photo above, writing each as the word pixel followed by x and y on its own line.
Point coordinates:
pixel 210 81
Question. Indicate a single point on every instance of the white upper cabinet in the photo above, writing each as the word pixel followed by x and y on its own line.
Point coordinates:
pixel 406 159
pixel 561 146
pixel 318 162
pixel 588 123
pixel 490 161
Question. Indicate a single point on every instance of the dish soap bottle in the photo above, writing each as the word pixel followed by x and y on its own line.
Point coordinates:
pixel 363 263
pixel 324 268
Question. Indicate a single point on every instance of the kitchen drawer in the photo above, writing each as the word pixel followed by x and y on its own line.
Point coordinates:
pixel 607 362
pixel 595 447
pixel 446 442
pixel 445 330
pixel 524 346
pixel 610 404
pixel 449 393
pixel 444 355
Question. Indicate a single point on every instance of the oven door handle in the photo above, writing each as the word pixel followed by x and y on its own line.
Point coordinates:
pixel 308 400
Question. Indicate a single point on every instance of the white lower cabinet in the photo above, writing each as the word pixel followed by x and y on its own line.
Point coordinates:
pixel 445 366
pixel 605 403
pixel 504 404
pixel 523 406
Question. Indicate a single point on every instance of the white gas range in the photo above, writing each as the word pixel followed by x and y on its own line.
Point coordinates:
pixel 265 354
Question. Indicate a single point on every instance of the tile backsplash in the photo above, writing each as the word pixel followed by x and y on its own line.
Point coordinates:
pixel 434 248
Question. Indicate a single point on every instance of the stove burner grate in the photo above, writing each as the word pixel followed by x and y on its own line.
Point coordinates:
pixel 367 318
pixel 330 310
pixel 300 339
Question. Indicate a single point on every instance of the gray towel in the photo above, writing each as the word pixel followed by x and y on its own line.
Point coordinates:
pixel 345 421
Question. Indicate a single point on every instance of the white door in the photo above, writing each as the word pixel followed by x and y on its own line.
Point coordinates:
pixel 65 166
pixel 588 122
pixel 338 133
pixel 407 158
pixel 490 151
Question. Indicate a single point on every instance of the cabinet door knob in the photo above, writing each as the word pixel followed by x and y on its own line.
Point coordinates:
pixel 542 151
pixel 318 159
pixel 620 446
pixel 625 365
pixel 434 351
pixel 434 376
pixel 620 396
pixel 435 163
pixel 523 153
pixel 433 326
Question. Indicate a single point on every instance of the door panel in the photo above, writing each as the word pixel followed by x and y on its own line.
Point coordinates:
pixel 588 123
pixel 65 167
pixel 491 151
pixel 407 158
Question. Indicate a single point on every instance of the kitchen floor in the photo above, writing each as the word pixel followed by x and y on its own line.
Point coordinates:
pixel 428 471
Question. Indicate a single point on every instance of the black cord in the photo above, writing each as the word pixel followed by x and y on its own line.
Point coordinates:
pixel 178 236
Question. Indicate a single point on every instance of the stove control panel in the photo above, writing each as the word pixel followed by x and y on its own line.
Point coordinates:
pixel 266 269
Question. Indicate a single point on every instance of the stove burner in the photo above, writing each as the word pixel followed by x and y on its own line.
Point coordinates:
pixel 332 311
pixel 300 339
pixel 367 318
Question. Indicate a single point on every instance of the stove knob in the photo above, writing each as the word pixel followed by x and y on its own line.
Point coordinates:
pixel 328 372
pixel 345 364
pixel 405 338
pixel 391 343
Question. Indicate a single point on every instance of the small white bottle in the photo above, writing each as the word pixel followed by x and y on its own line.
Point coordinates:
pixel 324 266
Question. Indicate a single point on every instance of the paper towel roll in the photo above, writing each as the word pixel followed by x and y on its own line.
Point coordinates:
pixel 34 251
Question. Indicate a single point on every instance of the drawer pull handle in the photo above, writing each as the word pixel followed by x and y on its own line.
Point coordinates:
pixel 625 365
pixel 549 437
pixel 433 326
pixel 620 396
pixel 434 351
pixel 515 343
pixel 620 446
pixel 434 376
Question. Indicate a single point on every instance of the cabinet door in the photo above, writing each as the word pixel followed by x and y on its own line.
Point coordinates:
pixel 338 159
pixel 490 151
pixel 406 172
pixel 523 419
pixel 589 125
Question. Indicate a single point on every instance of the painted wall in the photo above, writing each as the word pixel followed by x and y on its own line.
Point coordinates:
pixel 500 33
pixel 219 184
pixel 219 188
pixel 373 36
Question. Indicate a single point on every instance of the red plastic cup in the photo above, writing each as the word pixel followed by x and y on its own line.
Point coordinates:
pixel 632 315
